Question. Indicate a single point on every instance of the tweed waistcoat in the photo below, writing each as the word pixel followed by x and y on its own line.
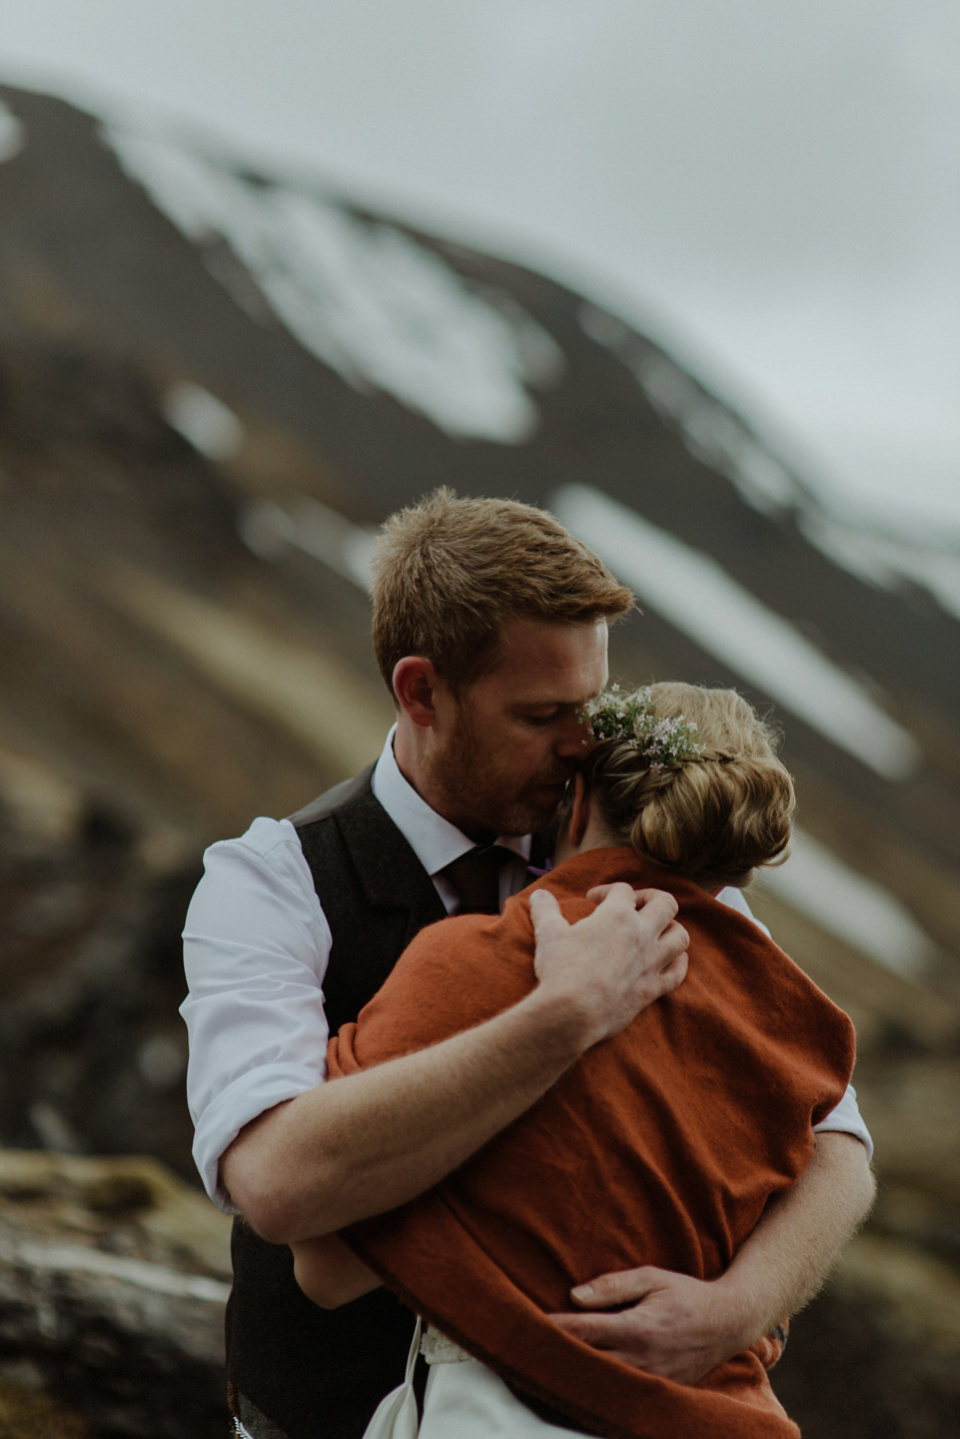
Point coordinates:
pixel 319 1374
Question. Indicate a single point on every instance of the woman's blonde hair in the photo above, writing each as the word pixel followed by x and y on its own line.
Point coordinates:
pixel 449 572
pixel 714 817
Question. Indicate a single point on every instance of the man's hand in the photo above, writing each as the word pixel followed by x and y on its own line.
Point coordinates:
pixel 681 1328
pixel 619 959
pixel 677 1327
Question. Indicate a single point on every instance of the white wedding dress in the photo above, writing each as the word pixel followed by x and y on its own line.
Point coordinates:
pixel 464 1400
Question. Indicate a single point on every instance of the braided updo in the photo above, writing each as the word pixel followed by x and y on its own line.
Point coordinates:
pixel 715 815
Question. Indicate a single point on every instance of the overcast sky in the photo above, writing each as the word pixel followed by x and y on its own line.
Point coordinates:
pixel 772 190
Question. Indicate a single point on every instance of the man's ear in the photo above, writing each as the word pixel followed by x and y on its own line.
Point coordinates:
pixel 580 813
pixel 415 684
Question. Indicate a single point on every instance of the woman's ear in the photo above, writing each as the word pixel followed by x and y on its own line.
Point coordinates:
pixel 580 813
pixel 414 685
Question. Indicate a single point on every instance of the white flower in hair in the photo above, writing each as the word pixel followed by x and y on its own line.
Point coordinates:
pixel 664 743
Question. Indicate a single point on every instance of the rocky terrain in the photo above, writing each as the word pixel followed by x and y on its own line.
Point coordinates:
pixel 113 1278
pixel 213 384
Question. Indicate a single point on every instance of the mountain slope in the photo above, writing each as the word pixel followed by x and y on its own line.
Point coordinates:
pixel 214 384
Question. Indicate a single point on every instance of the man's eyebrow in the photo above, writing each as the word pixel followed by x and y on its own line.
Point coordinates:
pixel 537 704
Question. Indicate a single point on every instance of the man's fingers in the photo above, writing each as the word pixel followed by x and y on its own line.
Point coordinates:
pixel 617 960
pixel 617 890
pixel 656 1320
pixel 674 973
pixel 606 1332
pixel 674 940
pixel 639 897
pixel 656 915
pixel 674 944
pixel 592 1329
pixel 599 892
pixel 627 1286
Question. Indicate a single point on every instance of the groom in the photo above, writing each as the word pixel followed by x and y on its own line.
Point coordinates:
pixel 490 626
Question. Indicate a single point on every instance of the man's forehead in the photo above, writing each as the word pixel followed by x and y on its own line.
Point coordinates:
pixel 557 642
pixel 552 664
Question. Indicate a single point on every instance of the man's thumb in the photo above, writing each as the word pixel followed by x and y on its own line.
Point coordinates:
pixel 545 913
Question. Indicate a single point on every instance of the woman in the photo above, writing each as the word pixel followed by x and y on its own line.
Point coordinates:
pixel 662 1146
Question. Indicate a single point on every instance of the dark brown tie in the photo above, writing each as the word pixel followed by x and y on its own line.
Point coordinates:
pixel 476 878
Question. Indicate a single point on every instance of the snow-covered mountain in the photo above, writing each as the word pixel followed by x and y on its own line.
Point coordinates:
pixel 326 363
pixel 214 384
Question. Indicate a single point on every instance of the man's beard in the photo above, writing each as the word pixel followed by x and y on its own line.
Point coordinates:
pixel 473 787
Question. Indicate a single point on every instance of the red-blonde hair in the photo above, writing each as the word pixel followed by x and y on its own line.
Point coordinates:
pixel 448 573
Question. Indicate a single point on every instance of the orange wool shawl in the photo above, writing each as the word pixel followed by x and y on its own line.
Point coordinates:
pixel 660 1146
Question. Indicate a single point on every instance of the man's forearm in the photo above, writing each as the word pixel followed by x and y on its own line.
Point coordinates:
pixel 365 1143
pixel 370 1141
pixel 790 1254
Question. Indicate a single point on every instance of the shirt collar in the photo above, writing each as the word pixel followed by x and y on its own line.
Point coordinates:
pixel 434 840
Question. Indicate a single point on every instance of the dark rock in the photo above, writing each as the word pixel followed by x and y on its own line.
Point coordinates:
pixel 112 1287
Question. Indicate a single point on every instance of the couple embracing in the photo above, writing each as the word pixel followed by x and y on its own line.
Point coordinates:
pixel 670 1156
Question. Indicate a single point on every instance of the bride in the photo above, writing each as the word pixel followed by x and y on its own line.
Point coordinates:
pixel 661 1146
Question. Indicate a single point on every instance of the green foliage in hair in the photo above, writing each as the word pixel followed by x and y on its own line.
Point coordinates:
pixel 631 718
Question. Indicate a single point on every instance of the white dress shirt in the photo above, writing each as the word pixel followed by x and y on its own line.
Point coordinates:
pixel 256 947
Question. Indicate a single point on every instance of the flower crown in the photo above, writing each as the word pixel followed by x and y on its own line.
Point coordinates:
pixel 631 718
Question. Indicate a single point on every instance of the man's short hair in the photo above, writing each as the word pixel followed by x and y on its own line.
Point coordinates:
pixel 449 572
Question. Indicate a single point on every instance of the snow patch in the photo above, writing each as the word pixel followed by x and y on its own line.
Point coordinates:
pixel 886 561
pixel 366 298
pixel 269 530
pixel 715 434
pixel 688 588
pixel 816 882
pixel 711 431
pixel 937 571
pixel 207 423
pixel 13 133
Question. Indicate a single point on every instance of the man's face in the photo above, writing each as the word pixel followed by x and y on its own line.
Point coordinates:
pixel 507 746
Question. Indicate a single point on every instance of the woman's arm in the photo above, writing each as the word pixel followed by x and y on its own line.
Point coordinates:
pixel 329 1272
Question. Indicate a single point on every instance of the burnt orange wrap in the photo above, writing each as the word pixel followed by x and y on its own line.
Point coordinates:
pixel 661 1146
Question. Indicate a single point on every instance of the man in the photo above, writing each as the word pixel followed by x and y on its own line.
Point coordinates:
pixel 490 627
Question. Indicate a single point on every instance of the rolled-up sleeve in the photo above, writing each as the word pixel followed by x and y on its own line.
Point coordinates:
pixel 847 1119
pixel 256 946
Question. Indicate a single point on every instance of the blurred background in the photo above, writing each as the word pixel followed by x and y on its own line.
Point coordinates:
pixel 685 277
